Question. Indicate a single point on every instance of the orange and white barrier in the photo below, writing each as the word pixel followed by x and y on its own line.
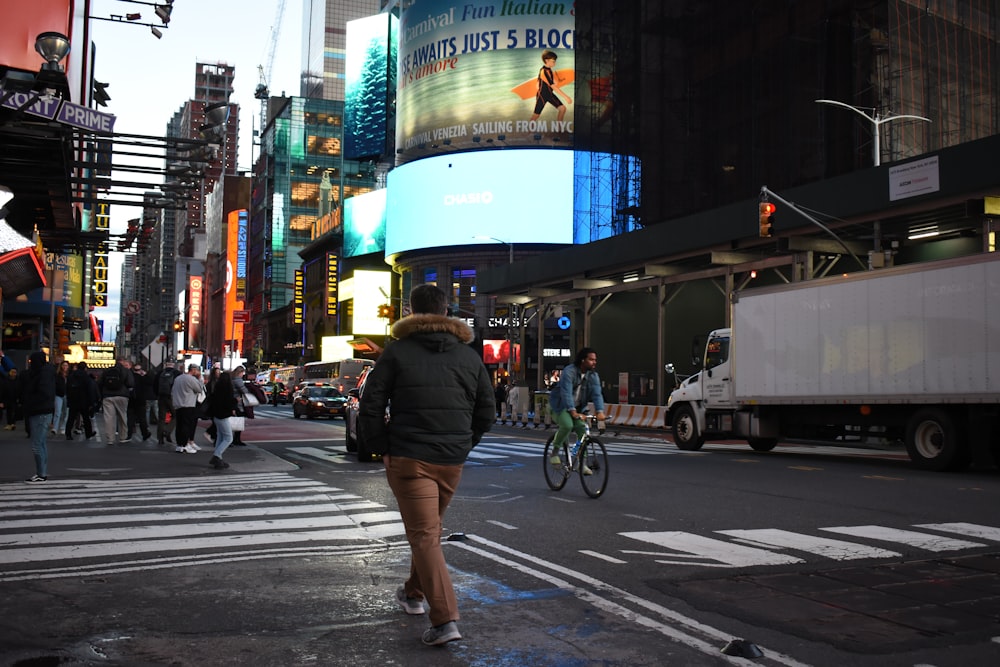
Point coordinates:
pixel 644 416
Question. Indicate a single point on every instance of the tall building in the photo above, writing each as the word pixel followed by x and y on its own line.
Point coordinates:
pixel 300 182
pixel 324 43
pixel 182 237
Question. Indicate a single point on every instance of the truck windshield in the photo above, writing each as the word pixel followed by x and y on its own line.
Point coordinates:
pixel 716 352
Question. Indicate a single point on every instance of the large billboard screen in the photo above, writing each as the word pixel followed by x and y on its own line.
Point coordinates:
pixel 484 197
pixel 364 223
pixel 473 76
pixel 369 75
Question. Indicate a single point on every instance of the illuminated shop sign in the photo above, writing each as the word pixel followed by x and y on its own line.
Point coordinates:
pixel 99 274
pixel 332 264
pixel 298 297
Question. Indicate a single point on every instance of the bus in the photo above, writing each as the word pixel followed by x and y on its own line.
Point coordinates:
pixel 343 374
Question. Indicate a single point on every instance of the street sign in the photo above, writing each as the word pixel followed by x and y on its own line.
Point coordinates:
pixel 155 352
pixel 132 308
pixel 241 316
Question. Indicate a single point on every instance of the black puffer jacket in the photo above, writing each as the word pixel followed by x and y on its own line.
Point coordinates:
pixel 440 393
pixel 39 397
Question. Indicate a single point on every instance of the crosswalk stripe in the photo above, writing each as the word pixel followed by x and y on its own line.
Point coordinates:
pixel 693 546
pixel 88 525
pixel 911 538
pixel 821 546
pixel 967 529
pixel 131 547
pixel 757 547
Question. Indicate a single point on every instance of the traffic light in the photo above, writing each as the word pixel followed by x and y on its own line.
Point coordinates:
pixel 385 311
pixel 62 340
pixel 101 96
pixel 179 325
pixel 163 11
pixel 60 315
pixel 766 211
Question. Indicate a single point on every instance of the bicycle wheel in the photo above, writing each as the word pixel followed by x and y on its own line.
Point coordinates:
pixel 594 456
pixel 555 476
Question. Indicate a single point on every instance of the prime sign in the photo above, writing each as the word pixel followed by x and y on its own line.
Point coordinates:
pixel 54 108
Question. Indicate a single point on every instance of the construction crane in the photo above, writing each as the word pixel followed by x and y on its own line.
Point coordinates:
pixel 262 92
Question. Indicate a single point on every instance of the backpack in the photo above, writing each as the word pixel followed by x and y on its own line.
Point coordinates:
pixel 73 383
pixel 166 382
pixel 112 379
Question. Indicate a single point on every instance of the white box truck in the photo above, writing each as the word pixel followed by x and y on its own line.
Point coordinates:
pixel 910 353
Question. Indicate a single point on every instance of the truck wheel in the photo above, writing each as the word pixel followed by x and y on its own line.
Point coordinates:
pixel 935 442
pixel 686 435
pixel 762 444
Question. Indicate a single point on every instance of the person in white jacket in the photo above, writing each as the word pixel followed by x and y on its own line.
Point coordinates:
pixel 188 391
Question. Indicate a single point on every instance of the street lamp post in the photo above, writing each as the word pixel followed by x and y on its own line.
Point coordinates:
pixel 876 122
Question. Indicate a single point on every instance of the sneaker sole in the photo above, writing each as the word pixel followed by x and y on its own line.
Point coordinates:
pixel 443 639
pixel 412 611
pixel 409 609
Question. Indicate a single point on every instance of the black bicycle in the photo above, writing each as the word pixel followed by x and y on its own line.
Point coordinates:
pixel 588 458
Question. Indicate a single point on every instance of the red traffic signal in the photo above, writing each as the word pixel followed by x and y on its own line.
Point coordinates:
pixel 62 340
pixel 766 211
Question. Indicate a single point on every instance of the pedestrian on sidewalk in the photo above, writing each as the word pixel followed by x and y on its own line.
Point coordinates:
pixel 221 406
pixel 82 397
pixel 213 379
pixel 39 400
pixel 59 416
pixel 188 391
pixel 164 382
pixel 243 410
pixel 442 403
pixel 116 385
pixel 10 393
pixel 137 403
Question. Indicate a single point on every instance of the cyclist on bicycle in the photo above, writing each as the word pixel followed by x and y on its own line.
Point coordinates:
pixel 578 385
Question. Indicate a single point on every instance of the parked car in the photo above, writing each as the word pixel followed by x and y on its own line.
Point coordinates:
pixel 353 437
pixel 319 401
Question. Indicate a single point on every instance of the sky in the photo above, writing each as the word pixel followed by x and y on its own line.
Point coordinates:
pixel 150 78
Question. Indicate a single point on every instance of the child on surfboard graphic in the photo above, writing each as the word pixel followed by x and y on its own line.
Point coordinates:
pixel 549 81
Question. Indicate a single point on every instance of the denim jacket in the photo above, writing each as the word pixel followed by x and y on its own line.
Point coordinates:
pixel 589 385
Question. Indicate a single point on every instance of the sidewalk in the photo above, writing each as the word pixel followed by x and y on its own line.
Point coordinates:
pixel 92 458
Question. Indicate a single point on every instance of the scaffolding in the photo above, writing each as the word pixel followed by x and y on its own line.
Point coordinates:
pixel 608 170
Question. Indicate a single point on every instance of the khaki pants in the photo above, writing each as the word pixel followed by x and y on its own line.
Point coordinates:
pixel 115 410
pixel 423 492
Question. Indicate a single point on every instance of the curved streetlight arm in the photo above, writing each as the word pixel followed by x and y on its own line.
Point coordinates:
pixel 876 123
pixel 847 106
pixel 905 115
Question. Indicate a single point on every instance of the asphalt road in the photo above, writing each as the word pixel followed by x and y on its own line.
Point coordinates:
pixel 817 556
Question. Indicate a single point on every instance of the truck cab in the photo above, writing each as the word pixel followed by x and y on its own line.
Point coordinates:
pixel 705 403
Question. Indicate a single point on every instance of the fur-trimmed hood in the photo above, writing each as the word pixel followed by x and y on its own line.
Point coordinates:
pixel 424 323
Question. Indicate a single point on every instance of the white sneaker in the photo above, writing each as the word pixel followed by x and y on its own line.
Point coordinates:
pixel 192 443
pixel 191 448
pixel 180 450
